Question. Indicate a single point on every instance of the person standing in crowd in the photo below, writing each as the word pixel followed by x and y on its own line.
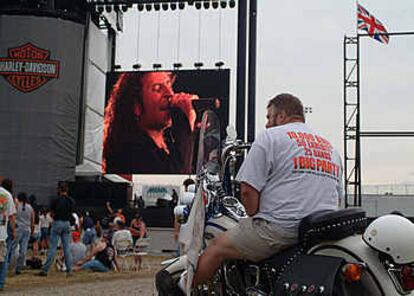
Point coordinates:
pixel 24 228
pixel 89 231
pixel 177 224
pixel 36 235
pixel 45 220
pixel 137 227
pixel 139 231
pixel 61 209
pixel 102 258
pixel 148 127
pixel 7 214
pixel 140 202
pixel 175 198
pixel 32 200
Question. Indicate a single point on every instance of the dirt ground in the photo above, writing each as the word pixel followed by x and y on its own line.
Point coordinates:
pixel 86 283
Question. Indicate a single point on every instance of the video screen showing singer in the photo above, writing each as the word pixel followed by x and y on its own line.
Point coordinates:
pixel 150 125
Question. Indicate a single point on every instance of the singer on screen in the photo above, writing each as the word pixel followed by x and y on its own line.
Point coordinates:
pixel 148 127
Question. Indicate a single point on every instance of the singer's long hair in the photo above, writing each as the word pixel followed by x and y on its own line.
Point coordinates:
pixel 120 122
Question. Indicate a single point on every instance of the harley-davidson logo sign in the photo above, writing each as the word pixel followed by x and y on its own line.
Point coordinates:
pixel 28 67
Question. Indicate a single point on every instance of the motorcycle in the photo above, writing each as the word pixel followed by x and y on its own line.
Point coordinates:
pixel 337 254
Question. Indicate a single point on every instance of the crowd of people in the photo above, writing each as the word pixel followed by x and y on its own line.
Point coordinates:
pixel 61 235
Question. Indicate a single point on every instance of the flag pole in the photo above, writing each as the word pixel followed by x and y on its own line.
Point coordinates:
pixel 356 18
pixel 358 182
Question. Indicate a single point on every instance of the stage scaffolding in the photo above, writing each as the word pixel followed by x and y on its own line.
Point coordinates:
pixel 352 119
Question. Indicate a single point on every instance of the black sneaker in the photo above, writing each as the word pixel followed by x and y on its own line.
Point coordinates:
pixel 42 273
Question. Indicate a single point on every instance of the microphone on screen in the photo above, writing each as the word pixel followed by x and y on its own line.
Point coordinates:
pixel 203 104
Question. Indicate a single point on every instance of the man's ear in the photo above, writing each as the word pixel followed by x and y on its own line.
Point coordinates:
pixel 283 116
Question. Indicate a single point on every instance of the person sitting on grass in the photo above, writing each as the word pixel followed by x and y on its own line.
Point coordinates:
pixel 101 259
pixel 77 249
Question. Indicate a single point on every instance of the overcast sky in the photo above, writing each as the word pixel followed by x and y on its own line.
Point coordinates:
pixel 300 50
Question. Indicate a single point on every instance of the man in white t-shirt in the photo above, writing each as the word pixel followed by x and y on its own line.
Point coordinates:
pixel 7 213
pixel 290 172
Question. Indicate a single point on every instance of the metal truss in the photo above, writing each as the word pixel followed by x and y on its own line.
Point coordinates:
pixel 352 154
pixel 352 128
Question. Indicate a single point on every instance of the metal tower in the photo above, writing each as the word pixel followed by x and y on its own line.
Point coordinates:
pixel 352 116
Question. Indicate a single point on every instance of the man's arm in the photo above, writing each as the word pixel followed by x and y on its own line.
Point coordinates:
pixel 250 198
pixel 12 220
pixel 11 212
pixel 176 229
pixel 109 208
pixel 95 250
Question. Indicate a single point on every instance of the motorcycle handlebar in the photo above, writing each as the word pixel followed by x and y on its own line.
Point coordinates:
pixel 230 147
pixel 220 191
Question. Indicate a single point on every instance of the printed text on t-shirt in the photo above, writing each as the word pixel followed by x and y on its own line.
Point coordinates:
pixel 317 154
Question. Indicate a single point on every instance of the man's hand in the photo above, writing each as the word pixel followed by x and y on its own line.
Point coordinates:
pixel 12 221
pixel 183 101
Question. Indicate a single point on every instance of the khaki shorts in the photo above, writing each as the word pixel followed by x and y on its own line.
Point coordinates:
pixel 257 239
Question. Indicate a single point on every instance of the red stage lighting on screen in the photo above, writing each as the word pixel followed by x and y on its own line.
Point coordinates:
pixel 127 144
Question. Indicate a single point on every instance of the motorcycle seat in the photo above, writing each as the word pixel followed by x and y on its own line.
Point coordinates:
pixel 331 225
pixel 317 227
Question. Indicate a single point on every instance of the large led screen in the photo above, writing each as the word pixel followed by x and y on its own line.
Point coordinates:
pixel 152 118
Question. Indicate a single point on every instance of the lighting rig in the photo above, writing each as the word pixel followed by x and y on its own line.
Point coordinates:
pixel 165 5
pixel 246 45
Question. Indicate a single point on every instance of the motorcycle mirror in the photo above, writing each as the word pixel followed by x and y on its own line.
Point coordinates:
pixel 231 133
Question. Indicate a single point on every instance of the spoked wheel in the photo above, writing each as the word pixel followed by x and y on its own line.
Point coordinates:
pixel 218 284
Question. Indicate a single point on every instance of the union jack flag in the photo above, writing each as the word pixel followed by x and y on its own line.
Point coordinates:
pixel 373 26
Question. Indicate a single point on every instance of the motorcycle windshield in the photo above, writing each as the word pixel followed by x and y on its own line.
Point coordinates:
pixel 208 157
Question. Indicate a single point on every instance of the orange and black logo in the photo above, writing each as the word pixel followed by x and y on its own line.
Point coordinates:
pixel 28 67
